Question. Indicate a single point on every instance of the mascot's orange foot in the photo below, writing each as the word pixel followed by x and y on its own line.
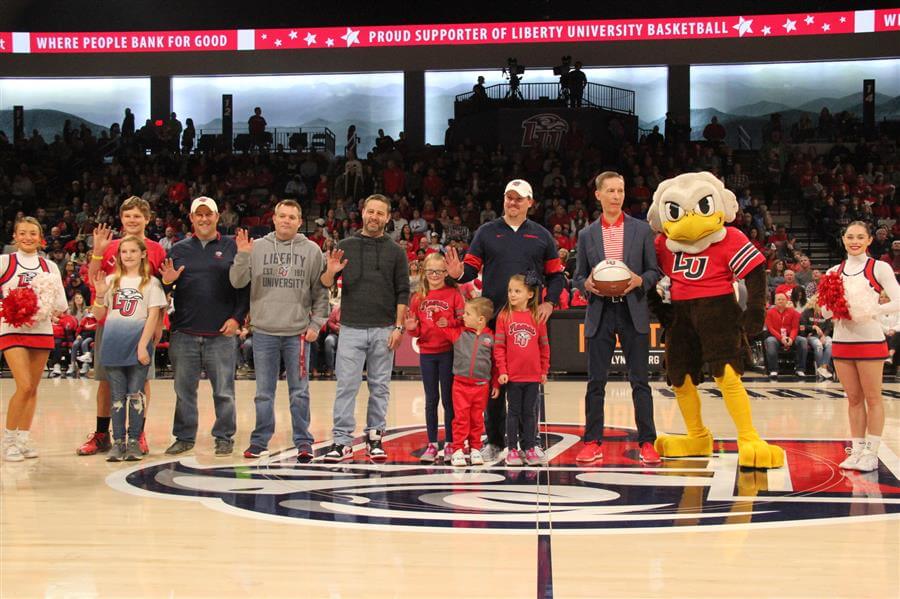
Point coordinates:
pixel 679 446
pixel 759 454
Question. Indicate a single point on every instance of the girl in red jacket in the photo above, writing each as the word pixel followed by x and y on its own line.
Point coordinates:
pixel 438 303
pixel 522 359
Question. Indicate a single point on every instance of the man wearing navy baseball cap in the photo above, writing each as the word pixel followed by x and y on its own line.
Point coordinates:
pixel 509 245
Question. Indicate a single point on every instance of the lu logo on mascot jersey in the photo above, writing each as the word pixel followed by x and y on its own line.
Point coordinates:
pixel 616 493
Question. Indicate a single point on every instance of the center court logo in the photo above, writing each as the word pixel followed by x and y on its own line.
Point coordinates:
pixel 616 494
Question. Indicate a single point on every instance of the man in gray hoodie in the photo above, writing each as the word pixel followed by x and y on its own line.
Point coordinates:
pixel 288 307
pixel 374 297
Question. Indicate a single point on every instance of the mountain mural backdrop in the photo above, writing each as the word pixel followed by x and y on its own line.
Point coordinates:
pixel 47 122
pixel 753 117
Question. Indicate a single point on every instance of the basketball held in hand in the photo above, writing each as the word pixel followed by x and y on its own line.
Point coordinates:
pixel 611 277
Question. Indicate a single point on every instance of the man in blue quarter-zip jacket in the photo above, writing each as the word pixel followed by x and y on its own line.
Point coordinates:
pixel 208 314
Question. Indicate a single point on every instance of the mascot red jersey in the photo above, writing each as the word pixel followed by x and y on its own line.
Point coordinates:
pixel 704 324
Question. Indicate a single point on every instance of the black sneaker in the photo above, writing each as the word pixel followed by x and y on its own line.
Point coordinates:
pixel 255 451
pixel 304 453
pixel 374 450
pixel 338 453
pixel 179 447
pixel 224 447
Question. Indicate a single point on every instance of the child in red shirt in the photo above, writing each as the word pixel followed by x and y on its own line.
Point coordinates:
pixel 64 328
pixel 437 303
pixel 522 359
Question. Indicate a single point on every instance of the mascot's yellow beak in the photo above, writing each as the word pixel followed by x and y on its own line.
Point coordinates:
pixel 692 227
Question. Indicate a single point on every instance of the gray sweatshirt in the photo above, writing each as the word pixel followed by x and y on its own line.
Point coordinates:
pixel 286 297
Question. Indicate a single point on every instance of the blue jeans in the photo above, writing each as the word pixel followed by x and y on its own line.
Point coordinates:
pixel 331 343
pixel 245 351
pixel 360 347
pixel 79 346
pixel 268 352
pixel 821 350
pixel 126 392
pixel 191 354
pixel 437 378
pixel 772 347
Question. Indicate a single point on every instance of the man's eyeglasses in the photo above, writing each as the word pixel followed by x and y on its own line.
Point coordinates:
pixel 429 272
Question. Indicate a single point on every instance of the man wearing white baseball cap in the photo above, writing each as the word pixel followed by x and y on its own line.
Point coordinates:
pixel 503 247
pixel 209 203
pixel 208 314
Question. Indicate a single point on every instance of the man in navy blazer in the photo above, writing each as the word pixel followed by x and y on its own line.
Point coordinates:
pixel 615 235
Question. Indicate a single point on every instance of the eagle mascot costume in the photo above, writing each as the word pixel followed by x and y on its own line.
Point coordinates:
pixel 704 323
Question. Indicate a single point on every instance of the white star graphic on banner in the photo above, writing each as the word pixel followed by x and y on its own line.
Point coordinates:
pixel 843 19
pixel 743 26
pixel 329 42
pixel 292 35
pixel 809 20
pixel 278 43
pixel 310 38
pixel 2 44
pixel 826 27
pixel 265 36
pixel 351 37
pixel 766 30
pixel 790 26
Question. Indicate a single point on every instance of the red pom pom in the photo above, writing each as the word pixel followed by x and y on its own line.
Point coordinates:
pixel 19 307
pixel 831 295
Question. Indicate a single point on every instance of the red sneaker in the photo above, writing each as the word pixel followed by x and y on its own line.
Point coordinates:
pixel 648 454
pixel 590 452
pixel 96 443
pixel 142 441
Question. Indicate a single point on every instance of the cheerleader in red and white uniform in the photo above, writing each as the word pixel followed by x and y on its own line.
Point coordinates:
pixel 859 347
pixel 25 348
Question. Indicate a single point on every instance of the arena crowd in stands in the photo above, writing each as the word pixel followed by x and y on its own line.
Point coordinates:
pixel 808 179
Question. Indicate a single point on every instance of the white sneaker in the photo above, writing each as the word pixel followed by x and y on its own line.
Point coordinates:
pixel 773 374
pixel 824 372
pixel 490 453
pixel 867 462
pixel 84 368
pixel 70 370
pixel 852 459
pixel 459 458
pixel 800 373
pixel 85 357
pixel 12 453
pixel 26 448
pixel 56 372
pixel 476 458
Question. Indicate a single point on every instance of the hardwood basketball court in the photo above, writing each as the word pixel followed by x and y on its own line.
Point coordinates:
pixel 205 527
